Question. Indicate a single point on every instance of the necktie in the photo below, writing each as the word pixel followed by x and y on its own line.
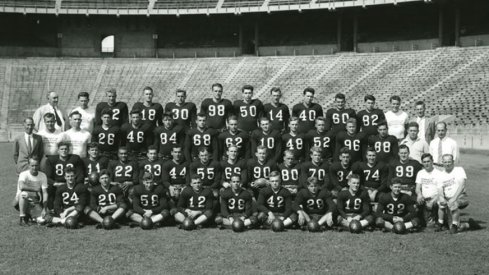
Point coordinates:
pixel 440 151
pixel 29 145
pixel 58 119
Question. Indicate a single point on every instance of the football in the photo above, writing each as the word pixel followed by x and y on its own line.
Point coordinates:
pixel 188 224
pixel 259 183
pixel 71 223
pixel 238 225
pixel 108 223
pixel 313 226
pixel 355 227
pixel 146 223
pixel 399 228
pixel 278 225
pixel 93 179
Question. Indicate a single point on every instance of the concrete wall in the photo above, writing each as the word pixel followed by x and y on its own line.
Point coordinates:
pixel 297 50
pixel 390 46
pixel 198 52
pixel 474 40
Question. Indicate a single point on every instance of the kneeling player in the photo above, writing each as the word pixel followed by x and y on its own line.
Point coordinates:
pixel 195 202
pixel 275 202
pixel 106 200
pixel 150 200
pixel 315 204
pixel 236 204
pixel 354 204
pixel 396 207
pixel 70 199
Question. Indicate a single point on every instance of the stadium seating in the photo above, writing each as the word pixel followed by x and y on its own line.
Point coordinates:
pixel 450 80
pixel 105 4
pixel 242 3
pixel 29 3
pixel 188 4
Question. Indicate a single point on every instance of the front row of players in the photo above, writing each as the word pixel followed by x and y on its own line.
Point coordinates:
pixel 150 205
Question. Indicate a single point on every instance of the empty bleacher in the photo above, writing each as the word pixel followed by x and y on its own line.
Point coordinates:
pixel 104 4
pixel 188 4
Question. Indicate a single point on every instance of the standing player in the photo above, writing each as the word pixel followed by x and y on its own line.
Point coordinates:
pixel 86 112
pixel 107 135
pixel 201 136
pixel 406 170
pixel 232 165
pixel 370 118
pixel 50 136
pixel 290 173
pixel 354 204
pixel 195 202
pixel 151 112
pixel 339 172
pixel 208 170
pixel 321 138
pixel 258 170
pixel 94 162
pixel 174 173
pixel 152 165
pixel 317 168
pixel 386 146
pixel 351 139
pixel 217 109
pixel 307 111
pixel 167 136
pixel 336 118
pixel 294 141
pixel 234 136
pixel 277 112
pixel 427 182
pixel 248 110
pixel 396 118
pixel 268 138
pixel 119 109
pixel 77 137
pixel 417 146
pixel 136 136
pixel 373 174
pixel 123 172
pixel 184 113
pixel 314 203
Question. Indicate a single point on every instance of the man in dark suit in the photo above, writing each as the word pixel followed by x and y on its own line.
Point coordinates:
pixel 426 124
pixel 27 145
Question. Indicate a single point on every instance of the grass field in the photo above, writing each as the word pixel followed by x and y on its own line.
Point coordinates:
pixel 169 250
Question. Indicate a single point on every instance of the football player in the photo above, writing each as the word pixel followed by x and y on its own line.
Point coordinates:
pixel 370 118
pixel 354 204
pixel 86 112
pixel 337 117
pixel 234 136
pixel 314 204
pixel 137 136
pixel 184 113
pixel 195 202
pixel 339 172
pixel 373 175
pixel 232 165
pixel 294 141
pixel 396 207
pixel 268 138
pixel 108 136
pixel 248 110
pixel 319 137
pixel 290 172
pixel 151 164
pixel 167 136
pixel 119 110
pixel 94 162
pixel 124 172
pixel 386 146
pixel 307 111
pixel 77 137
pixel 277 112
pixel 174 175
pixel 317 168
pixel 351 139
pixel 217 109
pixel 258 170
pixel 50 136
pixel 151 112
pixel 201 136
pixel 275 202
pixel 427 181
pixel 406 169
pixel 208 171
pixel 105 200
pixel 396 118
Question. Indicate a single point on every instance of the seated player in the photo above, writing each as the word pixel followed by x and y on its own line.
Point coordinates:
pixel 354 204
pixel 315 204
pixel 406 169
pixel 317 168
pixel 124 172
pixel 234 136
pixel 152 164
pixel 107 135
pixel 396 207
pixel 231 165
pixel 195 202
pixel 236 203
pixel 167 136
pixel 384 144
pixel 149 200
pixel 339 172
pixel 373 174
pixel 208 171
pixel 94 162
pixel 321 138
pixel 268 138
pixel 105 200
pixel 453 197
pixel 352 139
pixel 32 193
pixel 175 175
pixel 258 170
pixel 70 199
pixel 200 136
pixel 427 182
pixel 294 141
pixel 290 173
pixel 275 202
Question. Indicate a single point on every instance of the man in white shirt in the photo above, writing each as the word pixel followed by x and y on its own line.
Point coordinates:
pixel 443 145
pixel 50 107
pixel 427 181
pixel 417 145
pixel 50 136
pixel 396 119
pixel 77 137
pixel 87 113
pixel 426 124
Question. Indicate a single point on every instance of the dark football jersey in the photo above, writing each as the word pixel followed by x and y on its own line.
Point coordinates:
pixel 175 173
pixel 358 203
pixel 240 139
pixel 386 148
pixel 248 114
pixel 67 197
pixel 276 202
pixel 372 177
pixel 296 144
pixel 183 115
pixel 95 165
pixel 166 139
pixel 120 114
pixel 217 112
pixel 236 203
pixel 137 139
pixel 108 140
pixel 154 167
pixel 320 171
pixel 256 170
pixel 319 203
pixel 402 206
pixel 102 197
pixel 406 172
pixel 323 140
pixel 290 177
pixel 369 121
pixel 197 201
pixel 209 173
pixel 356 145
pixel 150 115
pixel 55 168
pixel 338 176
pixel 336 119
pixel 272 141
pixel 228 169
pixel 155 200
pixel 307 116
pixel 121 172
pixel 197 138
pixel 279 116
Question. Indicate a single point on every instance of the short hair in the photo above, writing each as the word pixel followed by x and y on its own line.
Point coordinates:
pixel 396 180
pixel 264 118
pixel 201 114
pixel 383 123
pixel 294 118
pixel 75 113
pixel 92 145
pixel 370 149
pixel 345 150
pixel 316 149
pixel 195 177
pixel 122 148
pixel 261 147
pixel 216 85
pixel 48 115
pixel 232 117
pixel 103 172
pixel 111 91
pixel 442 123
pixel 36 158
pixel 152 147
pixel 232 146
pixel 413 124
pixel 176 146
pixel 69 169
pixel 403 146
pixel 312 180
pixel 64 143
pixel 447 155
pixel 107 111
pixel 351 120
pixel 147 88
pixel 83 94
pixel 181 91
pixel 369 97
pixel 426 155
pixel 420 102
pixel 247 87
pixel 203 149
pixel 340 96
pixel 29 118
pixel 135 111
pixel 353 176
pixel 288 152
pixel 275 174
pixel 310 90
pixel 166 114
pixel 321 118
pixel 275 89
pixel 148 175
pixel 395 97
pixel 235 175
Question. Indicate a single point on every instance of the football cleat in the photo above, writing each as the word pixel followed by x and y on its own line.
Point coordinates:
pixel 355 227
pixel 278 225
pixel 453 229
pixel 473 225
pixel 146 223
pixel 238 225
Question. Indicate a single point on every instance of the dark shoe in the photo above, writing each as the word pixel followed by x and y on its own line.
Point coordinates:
pixel 99 226
pixel 133 224
pixel 438 227
pixel 473 225
pixel 453 229
pixel 24 221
